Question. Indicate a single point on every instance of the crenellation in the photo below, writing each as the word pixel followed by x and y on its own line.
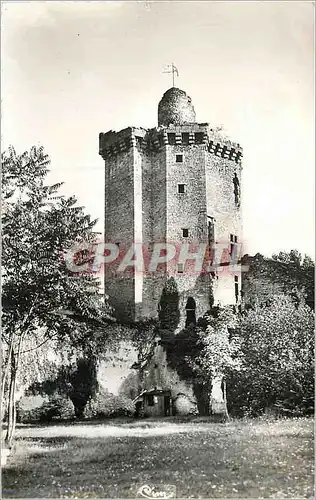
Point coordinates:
pixel 224 150
pixel 139 142
pixel 218 149
pixel 178 138
pixel 232 154
pixel 205 138
pixel 123 145
pixel 112 143
pixel 165 137
pixel 191 138
pixel 115 149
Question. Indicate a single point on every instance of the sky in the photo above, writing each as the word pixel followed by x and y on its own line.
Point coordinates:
pixel 71 70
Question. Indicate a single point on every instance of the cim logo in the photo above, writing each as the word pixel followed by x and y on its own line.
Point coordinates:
pixel 157 491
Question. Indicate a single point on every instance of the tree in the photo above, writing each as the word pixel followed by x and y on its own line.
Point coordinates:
pixel 41 298
pixel 218 349
pixel 168 309
pixel 277 353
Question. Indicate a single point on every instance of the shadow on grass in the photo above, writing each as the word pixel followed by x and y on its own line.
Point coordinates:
pixel 126 421
pixel 48 441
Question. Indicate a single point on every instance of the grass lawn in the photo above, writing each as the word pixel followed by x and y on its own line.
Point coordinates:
pixel 201 459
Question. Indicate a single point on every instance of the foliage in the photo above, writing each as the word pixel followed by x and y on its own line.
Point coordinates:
pixel 81 380
pixel 218 349
pixel 184 406
pixel 180 348
pixel 168 312
pixel 40 295
pixel 277 353
pixel 58 407
pixel 143 337
pixel 76 380
pixel 105 404
pixel 39 226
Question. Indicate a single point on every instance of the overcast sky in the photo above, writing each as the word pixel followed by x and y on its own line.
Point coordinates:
pixel 73 69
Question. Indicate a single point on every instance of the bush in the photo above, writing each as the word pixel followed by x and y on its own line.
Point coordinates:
pixel 277 352
pixel 106 405
pixel 56 408
pixel 184 406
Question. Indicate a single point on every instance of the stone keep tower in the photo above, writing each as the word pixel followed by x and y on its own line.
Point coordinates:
pixel 179 183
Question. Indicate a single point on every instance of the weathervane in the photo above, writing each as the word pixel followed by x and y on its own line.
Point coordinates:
pixel 172 69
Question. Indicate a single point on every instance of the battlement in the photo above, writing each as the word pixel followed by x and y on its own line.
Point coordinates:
pixel 113 143
pixel 221 146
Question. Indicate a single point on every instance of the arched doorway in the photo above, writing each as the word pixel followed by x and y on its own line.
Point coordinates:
pixel 190 312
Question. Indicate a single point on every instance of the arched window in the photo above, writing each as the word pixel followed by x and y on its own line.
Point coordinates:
pixel 190 311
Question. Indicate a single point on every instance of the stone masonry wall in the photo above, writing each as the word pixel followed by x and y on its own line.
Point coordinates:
pixel 119 228
pixel 187 211
pixel 221 205
pixel 175 107
pixel 154 221
pixel 143 205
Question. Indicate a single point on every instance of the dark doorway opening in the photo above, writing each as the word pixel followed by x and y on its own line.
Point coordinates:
pixel 190 312
pixel 167 406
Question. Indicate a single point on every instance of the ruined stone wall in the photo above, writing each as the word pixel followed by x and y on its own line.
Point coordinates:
pixel 113 371
pixel 161 376
pixel 119 378
pixel 175 107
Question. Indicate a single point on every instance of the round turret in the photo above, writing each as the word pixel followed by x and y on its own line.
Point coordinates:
pixel 175 107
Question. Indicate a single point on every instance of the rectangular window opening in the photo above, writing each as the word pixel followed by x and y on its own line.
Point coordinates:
pixel 185 139
pixel 171 139
pixel 185 233
pixel 179 158
pixel 180 267
pixel 181 188
pixel 198 138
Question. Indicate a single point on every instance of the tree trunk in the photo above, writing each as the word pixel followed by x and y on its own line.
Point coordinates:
pixel 11 404
pixel 225 399
pixel 15 359
pixel 6 372
pixel 202 394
